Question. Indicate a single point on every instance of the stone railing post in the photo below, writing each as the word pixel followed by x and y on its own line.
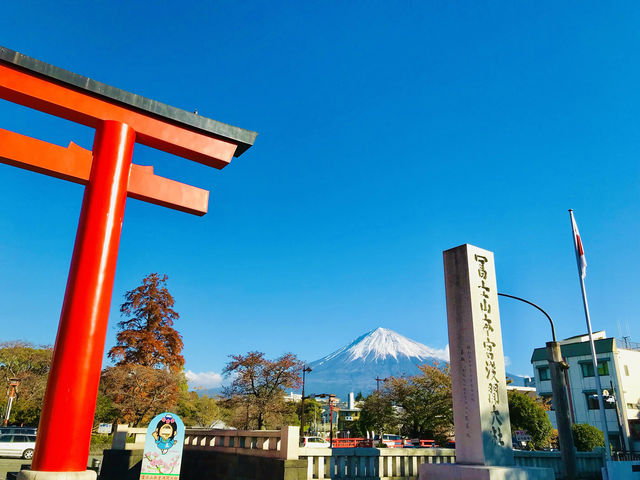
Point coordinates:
pixel 119 441
pixel 289 443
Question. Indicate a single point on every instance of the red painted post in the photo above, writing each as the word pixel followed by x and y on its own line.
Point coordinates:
pixel 64 434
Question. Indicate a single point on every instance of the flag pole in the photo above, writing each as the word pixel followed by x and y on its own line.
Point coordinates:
pixel 581 274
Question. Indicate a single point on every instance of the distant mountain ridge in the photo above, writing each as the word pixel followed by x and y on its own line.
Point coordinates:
pixel 379 353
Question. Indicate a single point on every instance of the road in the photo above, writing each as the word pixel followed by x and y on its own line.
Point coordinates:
pixel 14 464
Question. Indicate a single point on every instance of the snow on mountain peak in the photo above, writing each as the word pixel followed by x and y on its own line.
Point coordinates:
pixel 381 343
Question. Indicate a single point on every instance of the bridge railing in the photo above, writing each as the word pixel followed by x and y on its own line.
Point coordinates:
pixel 383 463
pixel 589 464
pixel 343 463
pixel 395 463
pixel 352 442
pixel 119 440
pixel 261 443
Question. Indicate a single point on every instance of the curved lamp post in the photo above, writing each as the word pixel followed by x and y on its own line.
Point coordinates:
pixel 553 329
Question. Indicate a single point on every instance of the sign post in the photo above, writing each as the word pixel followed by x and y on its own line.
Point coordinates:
pixel 480 405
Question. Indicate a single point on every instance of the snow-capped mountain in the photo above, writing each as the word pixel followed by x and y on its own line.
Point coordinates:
pixel 381 343
pixel 379 353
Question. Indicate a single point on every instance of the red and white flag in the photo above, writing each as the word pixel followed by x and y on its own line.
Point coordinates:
pixel 577 242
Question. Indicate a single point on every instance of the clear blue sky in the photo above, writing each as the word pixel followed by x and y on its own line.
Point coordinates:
pixel 388 132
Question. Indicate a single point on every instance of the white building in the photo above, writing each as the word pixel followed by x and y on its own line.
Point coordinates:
pixel 619 370
pixel 293 397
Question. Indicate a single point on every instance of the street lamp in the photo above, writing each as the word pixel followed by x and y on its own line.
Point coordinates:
pixel 612 399
pixel 13 384
pixel 557 366
pixel 332 398
pixel 305 369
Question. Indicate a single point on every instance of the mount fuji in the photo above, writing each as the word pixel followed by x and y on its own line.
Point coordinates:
pixel 379 353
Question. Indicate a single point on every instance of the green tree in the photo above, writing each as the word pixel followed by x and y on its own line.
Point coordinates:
pixel 312 409
pixel 377 414
pixel 146 335
pixel 530 415
pixel 257 388
pixel 587 437
pixel 30 365
pixel 425 401
pixel 106 411
pixel 197 410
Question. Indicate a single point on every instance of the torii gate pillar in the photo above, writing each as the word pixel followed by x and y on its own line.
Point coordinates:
pixel 121 119
pixel 77 361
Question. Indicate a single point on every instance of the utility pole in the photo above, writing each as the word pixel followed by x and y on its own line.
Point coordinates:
pixel 332 398
pixel 13 384
pixel 557 368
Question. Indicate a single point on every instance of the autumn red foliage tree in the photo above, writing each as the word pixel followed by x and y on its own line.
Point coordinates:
pixel 258 384
pixel 138 392
pixel 146 335
pixel 147 378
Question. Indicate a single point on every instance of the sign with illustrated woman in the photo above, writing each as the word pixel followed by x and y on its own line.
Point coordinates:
pixel 163 448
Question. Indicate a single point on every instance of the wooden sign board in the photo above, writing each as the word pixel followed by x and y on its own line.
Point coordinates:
pixel 163 448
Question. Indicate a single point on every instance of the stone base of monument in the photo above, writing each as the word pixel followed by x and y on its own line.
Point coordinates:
pixel 452 471
pixel 36 475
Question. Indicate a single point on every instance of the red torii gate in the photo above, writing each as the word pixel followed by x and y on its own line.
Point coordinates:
pixel 120 119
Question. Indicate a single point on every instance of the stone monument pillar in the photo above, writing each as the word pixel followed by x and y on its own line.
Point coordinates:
pixel 480 406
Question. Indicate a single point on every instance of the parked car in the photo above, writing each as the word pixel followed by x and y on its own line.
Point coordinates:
pixel 419 443
pixel 26 430
pixel 315 442
pixel 392 441
pixel 17 445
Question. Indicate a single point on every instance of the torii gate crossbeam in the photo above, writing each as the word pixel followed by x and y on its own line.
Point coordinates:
pixel 120 119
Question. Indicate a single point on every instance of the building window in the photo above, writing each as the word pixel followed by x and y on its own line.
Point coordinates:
pixel 634 428
pixel 587 368
pixel 543 373
pixel 614 440
pixel 626 370
pixel 592 401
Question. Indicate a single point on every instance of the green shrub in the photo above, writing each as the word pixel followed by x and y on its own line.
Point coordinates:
pixel 587 437
pixel 100 441
pixel 528 414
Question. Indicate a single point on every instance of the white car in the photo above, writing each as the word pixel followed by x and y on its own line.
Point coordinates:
pixel 315 442
pixel 392 441
pixel 17 445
